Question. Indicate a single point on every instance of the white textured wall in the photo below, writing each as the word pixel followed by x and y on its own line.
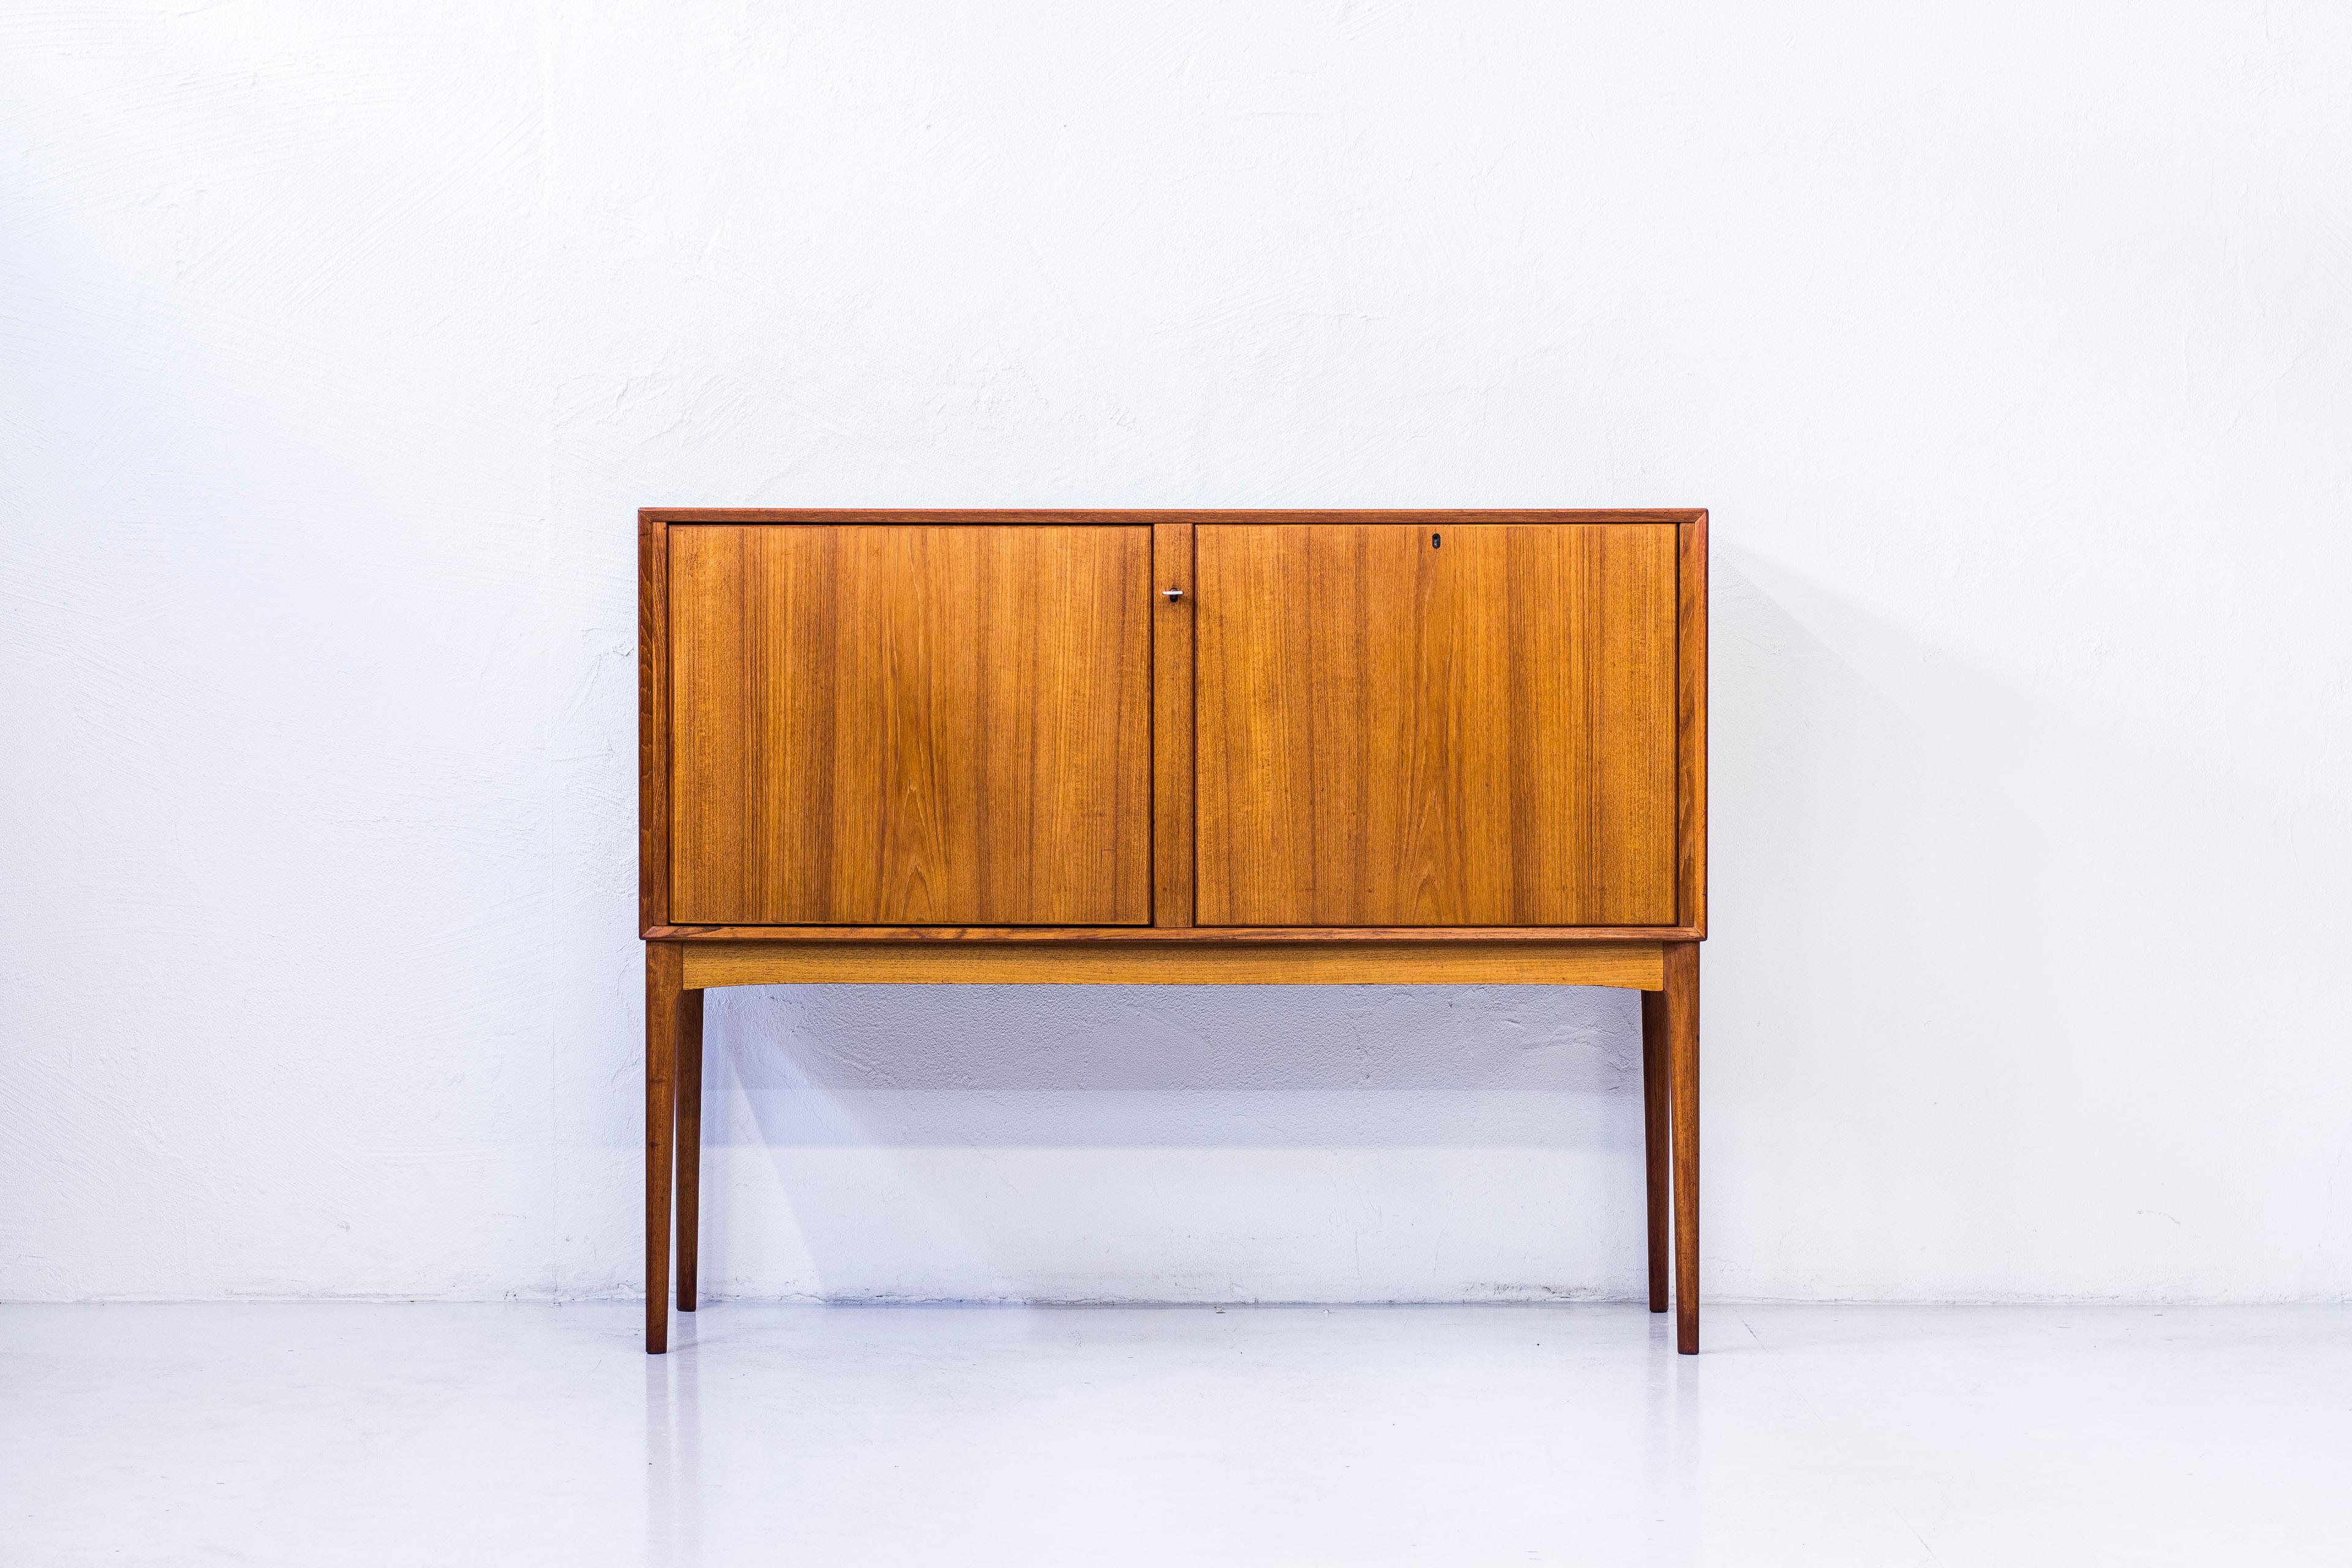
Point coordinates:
pixel 2007 342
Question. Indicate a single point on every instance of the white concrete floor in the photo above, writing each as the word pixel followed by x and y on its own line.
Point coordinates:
pixel 448 1435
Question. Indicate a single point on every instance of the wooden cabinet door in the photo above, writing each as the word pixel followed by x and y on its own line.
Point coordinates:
pixel 1406 724
pixel 884 725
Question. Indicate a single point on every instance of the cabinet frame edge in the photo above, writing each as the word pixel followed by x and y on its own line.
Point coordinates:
pixel 654 740
pixel 1064 517
pixel 1690 725
pixel 653 721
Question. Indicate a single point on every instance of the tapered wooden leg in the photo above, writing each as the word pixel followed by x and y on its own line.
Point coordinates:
pixel 1681 1000
pixel 690 1145
pixel 1656 1135
pixel 665 1005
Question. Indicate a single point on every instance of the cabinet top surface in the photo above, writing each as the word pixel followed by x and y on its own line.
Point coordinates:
pixel 1016 517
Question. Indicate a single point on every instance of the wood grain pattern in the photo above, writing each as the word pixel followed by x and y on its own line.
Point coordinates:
pixel 665 1004
pixel 911 725
pixel 1628 964
pixel 1420 723
pixel 1690 727
pixel 1680 1004
pixel 1171 725
pixel 653 721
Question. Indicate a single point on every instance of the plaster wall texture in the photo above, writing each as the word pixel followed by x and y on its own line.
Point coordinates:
pixel 2011 345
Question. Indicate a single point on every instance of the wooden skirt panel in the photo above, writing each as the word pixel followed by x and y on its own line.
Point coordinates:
pixel 1639 967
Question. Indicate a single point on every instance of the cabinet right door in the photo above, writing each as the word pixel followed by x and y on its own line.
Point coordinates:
pixel 1417 724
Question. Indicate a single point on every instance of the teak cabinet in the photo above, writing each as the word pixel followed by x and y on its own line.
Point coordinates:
pixel 1181 748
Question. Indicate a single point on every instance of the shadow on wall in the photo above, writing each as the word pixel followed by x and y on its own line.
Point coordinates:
pixel 1175 1143
pixel 1897 1026
pixel 1143 1067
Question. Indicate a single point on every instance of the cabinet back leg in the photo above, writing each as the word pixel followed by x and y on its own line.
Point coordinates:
pixel 690 1145
pixel 665 1008
pixel 1656 1134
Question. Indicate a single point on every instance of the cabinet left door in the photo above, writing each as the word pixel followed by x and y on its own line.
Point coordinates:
pixel 878 724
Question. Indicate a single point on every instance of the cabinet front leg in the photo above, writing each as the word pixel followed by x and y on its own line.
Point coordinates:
pixel 1656 1135
pixel 665 1008
pixel 689 1146
pixel 1681 1006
